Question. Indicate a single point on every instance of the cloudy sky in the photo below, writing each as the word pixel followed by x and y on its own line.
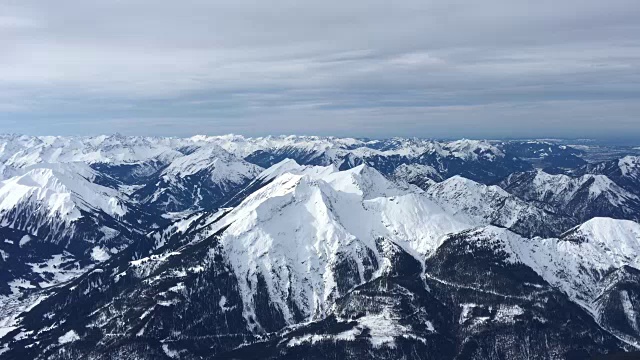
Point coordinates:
pixel 445 68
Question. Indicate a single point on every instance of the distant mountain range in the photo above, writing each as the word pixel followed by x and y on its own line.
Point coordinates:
pixel 303 247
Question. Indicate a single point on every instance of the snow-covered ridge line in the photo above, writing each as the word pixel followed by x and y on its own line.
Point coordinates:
pixel 577 262
pixel 297 231
pixel 22 151
pixel 62 190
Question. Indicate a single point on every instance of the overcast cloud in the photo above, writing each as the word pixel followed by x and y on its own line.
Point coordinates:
pixel 493 68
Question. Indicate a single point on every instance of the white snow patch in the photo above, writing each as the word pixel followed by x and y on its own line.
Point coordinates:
pixel 348 335
pixel 170 353
pixel 98 253
pixel 69 337
pixel 507 313
pixel 24 240
pixel 18 284
pixel 56 268
pixel 465 314
pixel 223 304
pixel 4 330
pixel 146 313
pixel 177 288
pixel 383 328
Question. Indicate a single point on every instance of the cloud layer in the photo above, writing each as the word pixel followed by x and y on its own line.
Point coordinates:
pixel 366 68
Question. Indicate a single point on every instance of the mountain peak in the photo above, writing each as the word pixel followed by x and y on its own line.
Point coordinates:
pixel 611 233
pixel 62 192
pixel 363 180
pixel 307 225
pixel 211 157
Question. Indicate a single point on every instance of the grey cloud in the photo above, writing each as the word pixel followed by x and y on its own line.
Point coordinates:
pixel 370 68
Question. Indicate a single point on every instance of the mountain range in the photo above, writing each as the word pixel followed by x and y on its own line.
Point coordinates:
pixel 304 247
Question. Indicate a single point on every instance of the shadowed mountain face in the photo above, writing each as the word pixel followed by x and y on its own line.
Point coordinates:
pixel 315 248
pixel 619 356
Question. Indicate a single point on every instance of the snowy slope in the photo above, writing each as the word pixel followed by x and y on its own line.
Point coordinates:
pixel 7 172
pixel 56 203
pixel 491 204
pixel 22 151
pixel 364 181
pixel 584 197
pixel 292 167
pixel 203 179
pixel 319 253
pixel 581 258
pixel 422 176
pixel 297 231
pixel 624 171
pixel 630 167
pixel 286 166
pixel 220 165
pixel 60 192
pixel 580 263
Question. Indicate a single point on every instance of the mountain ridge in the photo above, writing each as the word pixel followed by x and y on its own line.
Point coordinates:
pixel 349 248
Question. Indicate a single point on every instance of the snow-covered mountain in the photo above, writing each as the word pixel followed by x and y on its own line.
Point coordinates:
pixel 624 171
pixel 22 151
pixel 227 247
pixel 132 159
pixel 55 211
pixel 585 255
pixel 546 155
pixel 203 179
pixel 494 205
pixel 300 234
pixel 590 263
pixel 422 176
pixel 583 197
pixel 480 160
pixel 59 191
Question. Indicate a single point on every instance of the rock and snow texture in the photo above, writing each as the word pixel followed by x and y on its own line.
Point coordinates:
pixel 59 193
pixel 494 205
pixel 22 151
pixel 361 246
pixel 297 232
pixel 68 337
pixel 584 197
pixel 58 203
pixel 630 167
pixel 577 262
pixel 422 176
pixel 624 171
pixel 581 258
pixel 202 179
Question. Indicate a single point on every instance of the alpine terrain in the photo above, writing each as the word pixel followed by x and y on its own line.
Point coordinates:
pixel 305 247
